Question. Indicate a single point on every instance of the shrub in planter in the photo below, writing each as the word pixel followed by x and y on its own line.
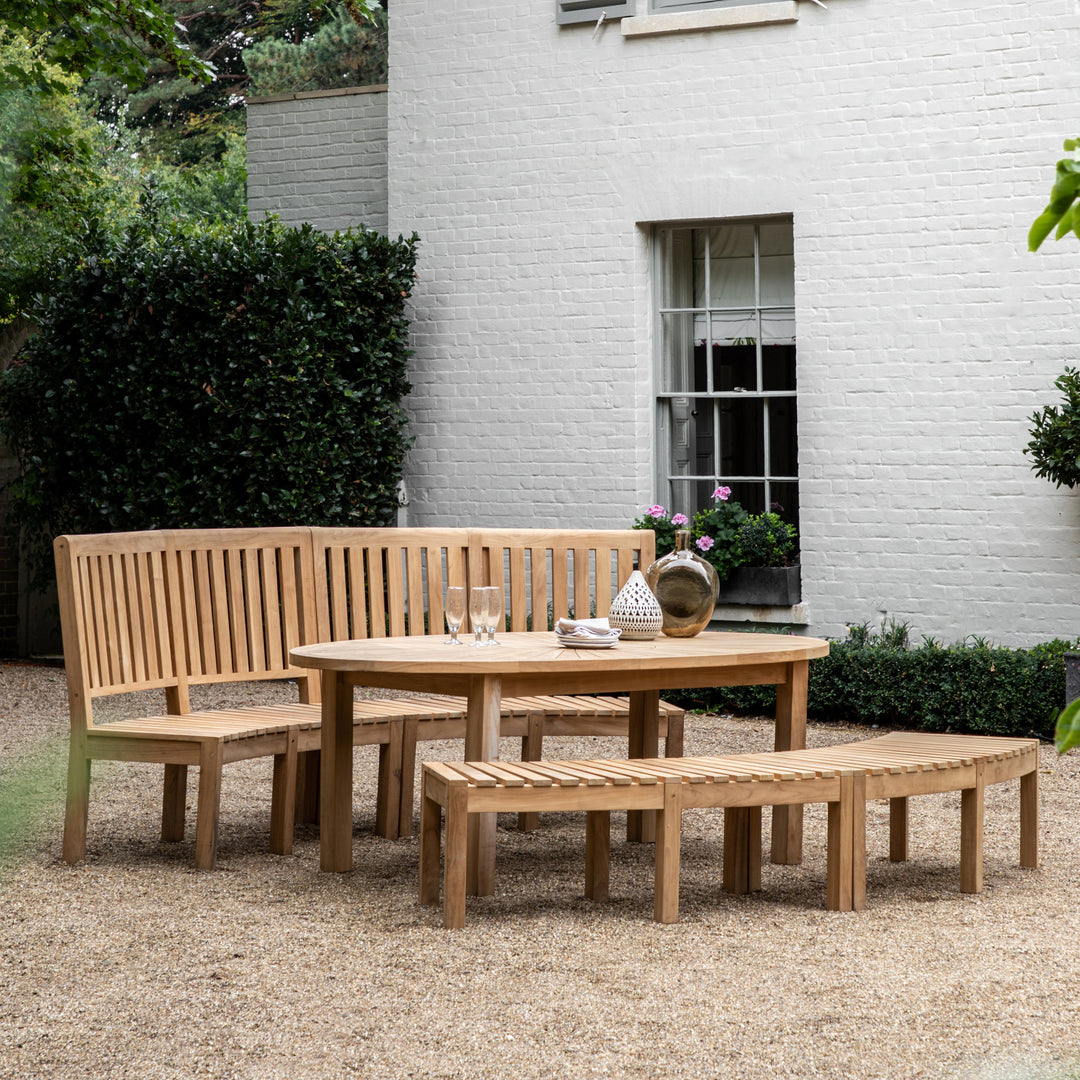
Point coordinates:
pixel 235 375
pixel 767 540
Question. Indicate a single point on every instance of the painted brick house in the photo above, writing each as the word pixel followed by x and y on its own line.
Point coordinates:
pixel 777 245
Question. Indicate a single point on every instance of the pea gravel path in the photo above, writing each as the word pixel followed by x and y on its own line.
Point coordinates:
pixel 135 966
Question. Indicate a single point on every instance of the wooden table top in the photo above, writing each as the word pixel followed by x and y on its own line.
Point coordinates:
pixel 538 653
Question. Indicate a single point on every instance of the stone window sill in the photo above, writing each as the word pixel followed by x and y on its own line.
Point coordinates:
pixel 681 22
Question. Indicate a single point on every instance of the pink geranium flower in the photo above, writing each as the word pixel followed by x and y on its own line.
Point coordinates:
pixel 703 543
pixel 656 511
pixel 679 519
pixel 722 493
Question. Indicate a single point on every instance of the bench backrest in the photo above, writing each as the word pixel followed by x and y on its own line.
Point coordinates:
pixel 551 574
pixel 373 583
pixel 175 608
pixel 242 598
pixel 117 627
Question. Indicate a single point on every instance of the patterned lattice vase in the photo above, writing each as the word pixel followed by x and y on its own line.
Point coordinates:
pixel 685 586
pixel 635 610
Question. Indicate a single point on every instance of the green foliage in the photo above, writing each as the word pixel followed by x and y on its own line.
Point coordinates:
pixel 338 53
pixel 725 535
pixel 236 374
pixel 1055 434
pixel 1067 729
pixel 81 36
pixel 767 540
pixel 1060 213
pixel 876 679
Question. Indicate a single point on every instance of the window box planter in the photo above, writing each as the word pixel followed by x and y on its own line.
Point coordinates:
pixel 762 586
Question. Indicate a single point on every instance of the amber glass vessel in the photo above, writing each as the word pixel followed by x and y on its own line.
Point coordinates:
pixel 685 586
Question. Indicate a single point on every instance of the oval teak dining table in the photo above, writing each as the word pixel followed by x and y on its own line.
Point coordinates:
pixel 536 663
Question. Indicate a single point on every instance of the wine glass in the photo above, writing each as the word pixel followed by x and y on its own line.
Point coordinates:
pixel 455 612
pixel 478 602
pixel 494 612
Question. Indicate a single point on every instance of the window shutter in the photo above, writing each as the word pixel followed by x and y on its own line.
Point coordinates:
pixel 588 11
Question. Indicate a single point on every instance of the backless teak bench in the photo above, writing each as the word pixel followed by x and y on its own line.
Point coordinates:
pixel 894 767
pixel 175 609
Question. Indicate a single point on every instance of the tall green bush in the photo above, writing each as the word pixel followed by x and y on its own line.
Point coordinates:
pixel 237 374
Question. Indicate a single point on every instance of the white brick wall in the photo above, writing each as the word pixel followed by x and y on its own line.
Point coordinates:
pixel 912 143
pixel 319 157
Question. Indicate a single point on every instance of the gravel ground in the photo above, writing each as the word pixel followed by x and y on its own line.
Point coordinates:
pixel 134 965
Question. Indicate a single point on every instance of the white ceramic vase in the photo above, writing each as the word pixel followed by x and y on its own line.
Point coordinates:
pixel 636 611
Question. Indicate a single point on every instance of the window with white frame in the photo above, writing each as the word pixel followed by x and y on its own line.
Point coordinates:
pixel 727 400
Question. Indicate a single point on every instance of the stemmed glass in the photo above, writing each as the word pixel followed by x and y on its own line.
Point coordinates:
pixel 455 612
pixel 494 612
pixel 478 602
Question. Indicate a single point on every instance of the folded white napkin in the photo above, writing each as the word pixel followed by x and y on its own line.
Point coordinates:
pixel 593 629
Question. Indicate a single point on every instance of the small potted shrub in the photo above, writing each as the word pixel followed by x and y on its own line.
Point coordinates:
pixel 768 573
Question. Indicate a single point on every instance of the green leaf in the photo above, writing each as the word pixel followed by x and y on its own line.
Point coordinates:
pixel 1067 732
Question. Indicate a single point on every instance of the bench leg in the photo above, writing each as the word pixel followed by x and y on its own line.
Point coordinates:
pixel 408 777
pixel 455 859
pixel 532 749
pixel 597 855
pixel 78 805
pixel 847 834
pixel 430 843
pixel 173 800
pixel 742 849
pixel 307 788
pixel 283 797
pixel 1029 819
pixel 206 821
pixel 898 829
pixel 673 741
pixel 388 799
pixel 971 834
pixel 668 837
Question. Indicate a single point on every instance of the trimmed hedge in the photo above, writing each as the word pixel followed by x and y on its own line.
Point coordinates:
pixel 968 687
pixel 237 375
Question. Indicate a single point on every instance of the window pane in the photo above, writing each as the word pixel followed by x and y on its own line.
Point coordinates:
pixel 676 289
pixel 680 427
pixel 783 455
pixel 731 266
pixel 778 367
pixel 742 442
pixel 750 496
pixel 778 326
pixel 734 367
pixel 677 360
pixel 776 238
pixel 784 500
pixel 778 280
pixel 734 328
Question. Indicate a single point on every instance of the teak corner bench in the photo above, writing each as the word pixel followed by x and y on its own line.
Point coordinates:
pixel 896 767
pixel 172 610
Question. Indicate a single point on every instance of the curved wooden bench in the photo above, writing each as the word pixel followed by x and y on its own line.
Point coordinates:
pixel 896 767
pixel 901 765
pixel 599 786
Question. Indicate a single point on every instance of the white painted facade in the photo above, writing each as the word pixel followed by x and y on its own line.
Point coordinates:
pixel 319 157
pixel 911 145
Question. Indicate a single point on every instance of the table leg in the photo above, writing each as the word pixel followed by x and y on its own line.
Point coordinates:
pixel 482 744
pixel 644 743
pixel 787 823
pixel 335 780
